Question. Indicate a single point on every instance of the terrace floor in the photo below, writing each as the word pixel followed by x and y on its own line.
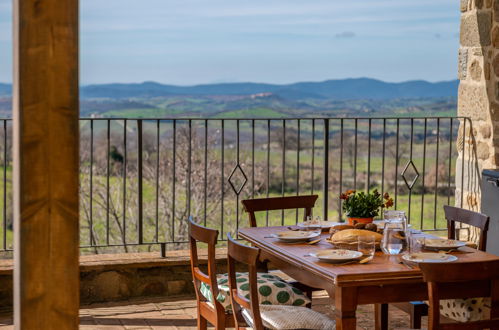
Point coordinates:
pixel 180 313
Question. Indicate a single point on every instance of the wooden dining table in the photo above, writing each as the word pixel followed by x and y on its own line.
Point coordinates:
pixel 385 279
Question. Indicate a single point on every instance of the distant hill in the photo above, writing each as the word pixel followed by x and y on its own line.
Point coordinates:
pixel 343 89
pixel 5 89
pixel 359 88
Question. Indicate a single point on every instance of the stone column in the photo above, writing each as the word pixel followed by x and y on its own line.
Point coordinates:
pixel 478 99
pixel 46 164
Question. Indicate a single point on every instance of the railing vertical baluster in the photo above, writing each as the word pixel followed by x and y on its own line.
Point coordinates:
pixel 174 176
pixel 397 162
pixel 91 224
pixel 298 164
pixel 108 174
pixel 424 173
pixel 383 158
pixel 450 160
pixel 140 208
pixel 237 161
pixel 5 145
pixel 189 167
pixel 205 199
pixel 158 153
pixel 313 157
pixel 268 170
pixel 325 182
pixel 369 156
pixel 436 176
pixel 124 178
pixel 222 154
pixel 283 184
pixel 340 211
pixel 252 158
pixel 410 158
pixel 355 155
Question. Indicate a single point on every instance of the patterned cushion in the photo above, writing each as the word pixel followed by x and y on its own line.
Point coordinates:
pixel 291 317
pixel 465 310
pixel 272 290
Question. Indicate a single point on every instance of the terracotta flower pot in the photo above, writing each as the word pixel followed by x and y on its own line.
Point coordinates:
pixel 351 220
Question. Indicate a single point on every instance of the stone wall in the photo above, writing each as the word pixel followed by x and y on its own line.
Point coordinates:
pixel 478 97
pixel 116 277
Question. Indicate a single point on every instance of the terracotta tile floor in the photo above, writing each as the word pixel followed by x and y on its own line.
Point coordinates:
pixel 180 313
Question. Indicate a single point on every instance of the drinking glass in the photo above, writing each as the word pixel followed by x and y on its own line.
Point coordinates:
pixel 394 238
pixel 416 243
pixel 367 246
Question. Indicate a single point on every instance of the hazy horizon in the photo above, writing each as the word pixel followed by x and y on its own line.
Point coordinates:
pixel 193 42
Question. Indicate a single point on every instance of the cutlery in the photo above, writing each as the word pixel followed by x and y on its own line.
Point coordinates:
pixel 293 229
pixel 314 241
pixel 361 261
pixel 408 266
pixel 454 250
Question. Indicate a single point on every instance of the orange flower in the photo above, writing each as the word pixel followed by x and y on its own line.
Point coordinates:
pixel 386 196
pixel 350 191
pixel 343 196
pixel 389 202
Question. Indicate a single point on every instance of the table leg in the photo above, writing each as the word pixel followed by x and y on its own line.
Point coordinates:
pixel 381 316
pixel 345 302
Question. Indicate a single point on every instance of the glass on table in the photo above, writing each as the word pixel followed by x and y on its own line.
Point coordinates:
pixel 394 238
pixel 416 243
pixel 366 244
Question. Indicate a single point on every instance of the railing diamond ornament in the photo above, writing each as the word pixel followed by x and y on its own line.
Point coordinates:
pixel 234 172
pixel 413 181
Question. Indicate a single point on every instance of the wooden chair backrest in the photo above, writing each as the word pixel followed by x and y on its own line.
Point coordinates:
pixel 306 202
pixel 242 254
pixel 478 274
pixel 481 221
pixel 208 236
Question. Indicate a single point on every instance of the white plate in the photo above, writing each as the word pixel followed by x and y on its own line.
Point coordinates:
pixel 296 236
pixel 443 244
pixel 336 256
pixel 429 257
pixel 322 224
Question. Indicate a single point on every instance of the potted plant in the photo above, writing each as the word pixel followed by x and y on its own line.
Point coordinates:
pixel 360 207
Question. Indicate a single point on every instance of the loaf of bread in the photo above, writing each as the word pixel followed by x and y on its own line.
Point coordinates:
pixel 352 235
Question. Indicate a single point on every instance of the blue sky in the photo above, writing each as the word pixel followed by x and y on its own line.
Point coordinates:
pixel 278 41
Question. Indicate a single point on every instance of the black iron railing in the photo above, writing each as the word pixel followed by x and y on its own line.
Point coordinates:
pixel 142 178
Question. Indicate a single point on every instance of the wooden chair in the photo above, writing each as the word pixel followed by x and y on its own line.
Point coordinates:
pixel 418 309
pixel 248 311
pixel 212 312
pixel 279 203
pixel 481 275
pixel 306 202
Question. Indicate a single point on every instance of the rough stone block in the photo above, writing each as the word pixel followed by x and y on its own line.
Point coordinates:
pixel 496 10
pixel 485 130
pixel 488 3
pixel 462 70
pixel 478 4
pixel 475 29
pixel 464 5
pixel 473 101
pixel 176 287
pixel 495 65
pixel 482 150
pixel 495 37
pixel 475 71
